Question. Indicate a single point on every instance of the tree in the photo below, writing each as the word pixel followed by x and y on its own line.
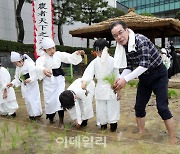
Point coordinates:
pixel 63 10
pixel 94 11
pixel 20 21
pixel 177 15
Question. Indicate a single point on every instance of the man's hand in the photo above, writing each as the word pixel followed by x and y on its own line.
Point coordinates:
pixel 47 72
pixel 119 84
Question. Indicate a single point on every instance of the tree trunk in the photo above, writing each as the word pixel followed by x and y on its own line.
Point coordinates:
pixel 20 21
pixel 60 35
pixel 87 42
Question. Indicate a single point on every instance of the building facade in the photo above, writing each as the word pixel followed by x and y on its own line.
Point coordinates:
pixel 8 25
pixel 159 8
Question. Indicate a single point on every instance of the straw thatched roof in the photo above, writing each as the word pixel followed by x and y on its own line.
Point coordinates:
pixel 152 27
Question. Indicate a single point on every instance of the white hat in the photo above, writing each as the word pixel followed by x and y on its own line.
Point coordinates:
pixel 15 56
pixel 47 43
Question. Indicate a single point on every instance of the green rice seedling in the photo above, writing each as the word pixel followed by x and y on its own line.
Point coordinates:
pixel 6 126
pixel 52 136
pixel 13 141
pixel 22 78
pixel 29 130
pixel 22 139
pixel 110 79
pixel 172 93
pixel 50 148
pixel 17 128
pixel 133 83
pixel 0 142
pixel 3 130
pixel 67 126
pixel 26 148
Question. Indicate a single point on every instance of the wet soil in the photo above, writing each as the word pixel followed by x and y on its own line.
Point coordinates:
pixel 20 135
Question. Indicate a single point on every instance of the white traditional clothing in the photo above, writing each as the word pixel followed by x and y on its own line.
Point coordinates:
pixel 83 109
pixel 8 105
pixel 30 91
pixel 53 86
pixel 107 106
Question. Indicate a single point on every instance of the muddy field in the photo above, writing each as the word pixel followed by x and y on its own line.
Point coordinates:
pixel 20 135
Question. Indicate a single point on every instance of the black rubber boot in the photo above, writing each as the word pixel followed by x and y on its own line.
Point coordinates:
pixel 84 123
pixel 51 117
pixel 13 115
pixel 113 127
pixel 104 127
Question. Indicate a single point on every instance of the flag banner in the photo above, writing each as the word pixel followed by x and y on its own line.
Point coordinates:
pixel 43 23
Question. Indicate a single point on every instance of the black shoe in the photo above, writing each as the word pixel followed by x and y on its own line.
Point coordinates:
pixel 32 118
pixel 104 127
pixel 13 115
pixel 84 123
pixel 113 127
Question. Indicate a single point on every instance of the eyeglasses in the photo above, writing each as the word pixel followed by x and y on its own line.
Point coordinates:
pixel 120 33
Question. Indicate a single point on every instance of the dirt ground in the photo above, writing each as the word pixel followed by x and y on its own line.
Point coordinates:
pixel 20 135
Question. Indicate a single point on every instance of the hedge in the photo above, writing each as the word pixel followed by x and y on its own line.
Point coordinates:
pixel 8 46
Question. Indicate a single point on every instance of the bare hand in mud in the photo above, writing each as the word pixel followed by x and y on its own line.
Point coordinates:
pixel 76 124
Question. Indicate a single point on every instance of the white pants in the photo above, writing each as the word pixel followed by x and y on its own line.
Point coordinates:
pixel 107 111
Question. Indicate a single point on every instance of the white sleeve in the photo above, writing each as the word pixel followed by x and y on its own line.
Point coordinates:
pixel 89 72
pixel 16 82
pixel 134 74
pixel 125 72
pixel 40 62
pixel 70 58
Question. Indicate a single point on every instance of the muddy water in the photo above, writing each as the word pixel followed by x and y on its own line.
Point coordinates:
pixel 42 137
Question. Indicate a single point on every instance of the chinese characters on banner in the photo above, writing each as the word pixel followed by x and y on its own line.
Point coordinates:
pixel 43 23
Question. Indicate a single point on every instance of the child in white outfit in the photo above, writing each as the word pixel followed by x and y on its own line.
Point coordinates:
pixel 78 102
pixel 25 76
pixel 107 105
pixel 8 103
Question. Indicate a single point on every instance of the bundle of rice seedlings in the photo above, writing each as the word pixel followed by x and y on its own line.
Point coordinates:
pixel 110 78
pixel 22 78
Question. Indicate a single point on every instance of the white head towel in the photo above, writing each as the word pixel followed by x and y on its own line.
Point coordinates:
pixel 15 56
pixel 120 60
pixel 47 43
